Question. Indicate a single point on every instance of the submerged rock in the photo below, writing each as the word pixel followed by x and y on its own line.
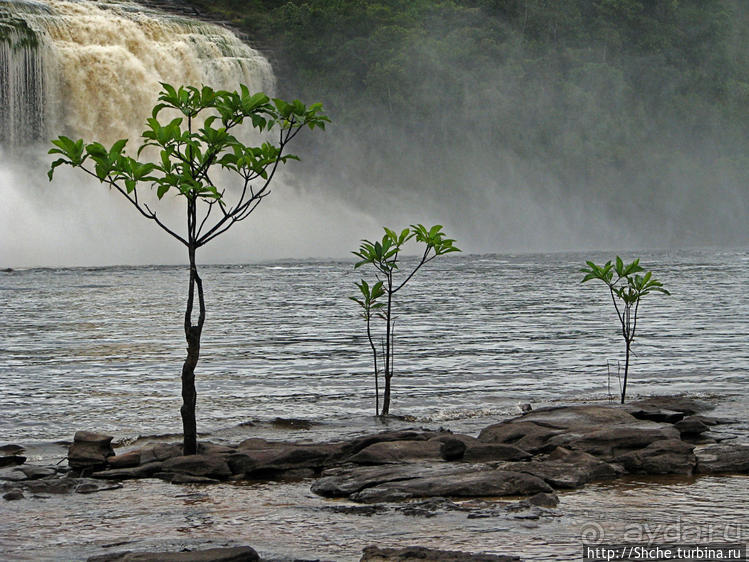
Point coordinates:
pixel 377 554
pixel 231 554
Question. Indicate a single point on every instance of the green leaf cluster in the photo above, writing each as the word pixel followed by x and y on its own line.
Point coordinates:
pixel 186 154
pixel 624 280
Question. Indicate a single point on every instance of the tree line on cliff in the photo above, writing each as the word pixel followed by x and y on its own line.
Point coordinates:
pixel 630 102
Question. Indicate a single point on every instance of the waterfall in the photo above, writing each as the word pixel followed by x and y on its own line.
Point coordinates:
pixel 92 69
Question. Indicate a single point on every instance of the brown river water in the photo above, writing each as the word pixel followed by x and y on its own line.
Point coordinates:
pixel 478 336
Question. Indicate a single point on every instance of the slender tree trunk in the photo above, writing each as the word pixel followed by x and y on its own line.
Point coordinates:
pixel 626 369
pixel 388 359
pixel 192 336
pixel 376 373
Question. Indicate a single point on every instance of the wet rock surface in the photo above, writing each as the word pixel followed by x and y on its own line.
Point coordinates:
pixel 231 554
pixel 377 554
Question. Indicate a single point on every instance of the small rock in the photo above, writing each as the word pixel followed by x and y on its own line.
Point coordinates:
pixel 11 449
pixel 544 499
pixel 691 425
pixel 125 460
pixel 90 450
pixel 13 495
pixel 11 460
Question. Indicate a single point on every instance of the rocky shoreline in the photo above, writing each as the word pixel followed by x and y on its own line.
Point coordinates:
pixel 528 458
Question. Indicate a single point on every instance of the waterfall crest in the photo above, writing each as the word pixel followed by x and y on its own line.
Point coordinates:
pixel 92 69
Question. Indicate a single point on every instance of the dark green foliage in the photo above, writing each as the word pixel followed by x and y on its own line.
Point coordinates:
pixel 631 103
pixel 626 287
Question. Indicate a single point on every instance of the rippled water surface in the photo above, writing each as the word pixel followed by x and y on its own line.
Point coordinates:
pixel 101 349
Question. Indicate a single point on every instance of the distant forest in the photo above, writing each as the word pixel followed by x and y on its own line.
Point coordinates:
pixel 635 110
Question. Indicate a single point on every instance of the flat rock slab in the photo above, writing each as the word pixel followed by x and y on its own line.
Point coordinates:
pixel 233 554
pixel 670 456
pixel 377 554
pixel 723 458
pixel 485 483
pixel 687 406
pixel 344 481
pixel 62 485
pixel 571 418
pixel 391 452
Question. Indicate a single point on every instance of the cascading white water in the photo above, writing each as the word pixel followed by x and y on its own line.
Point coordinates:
pixel 92 69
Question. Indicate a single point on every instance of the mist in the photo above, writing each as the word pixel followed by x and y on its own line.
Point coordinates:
pixel 538 131
pixel 560 126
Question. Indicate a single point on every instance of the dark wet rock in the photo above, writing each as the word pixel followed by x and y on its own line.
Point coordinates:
pixel 670 456
pixel 377 554
pixel 34 472
pixel 654 414
pixel 525 435
pixel 293 423
pixel 159 452
pixel 575 418
pixel 208 448
pixel 451 449
pixel 11 460
pixel 723 458
pixel 231 554
pixel 344 481
pixel 687 406
pixel 13 495
pixel 353 447
pixel 611 441
pixel 64 485
pixel 544 499
pixel 12 474
pixel 296 474
pixel 11 449
pixel 488 452
pixel 691 425
pixel 180 478
pixel 485 483
pixel 563 475
pixel 391 452
pixel 142 471
pixel 208 466
pixel 261 458
pixel 90 450
pixel 125 460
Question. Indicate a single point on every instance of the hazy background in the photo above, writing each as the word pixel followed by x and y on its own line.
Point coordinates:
pixel 521 125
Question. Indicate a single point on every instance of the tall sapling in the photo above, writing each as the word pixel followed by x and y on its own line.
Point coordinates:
pixel 187 157
pixel 626 287
pixel 383 255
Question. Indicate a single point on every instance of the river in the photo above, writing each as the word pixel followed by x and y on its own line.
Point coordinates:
pixel 477 335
